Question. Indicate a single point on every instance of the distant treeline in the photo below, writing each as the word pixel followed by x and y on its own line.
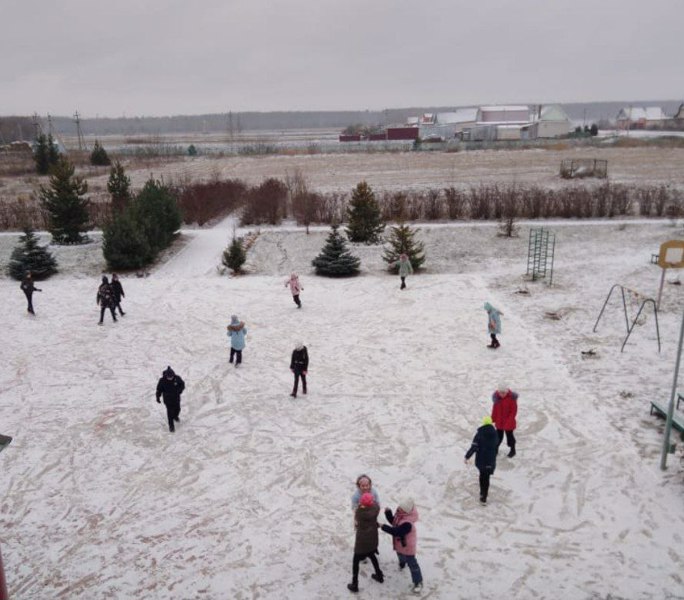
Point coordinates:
pixel 15 128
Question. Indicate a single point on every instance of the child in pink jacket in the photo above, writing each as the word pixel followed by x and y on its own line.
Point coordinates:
pixel 403 531
pixel 295 288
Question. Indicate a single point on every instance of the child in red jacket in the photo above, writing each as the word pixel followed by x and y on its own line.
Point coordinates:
pixel 504 411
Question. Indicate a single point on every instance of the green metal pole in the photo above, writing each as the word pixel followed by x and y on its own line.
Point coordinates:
pixel 670 408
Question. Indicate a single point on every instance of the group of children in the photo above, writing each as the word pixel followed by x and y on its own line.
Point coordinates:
pixel 402 528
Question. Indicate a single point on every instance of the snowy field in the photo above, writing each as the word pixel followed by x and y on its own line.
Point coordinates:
pixel 250 497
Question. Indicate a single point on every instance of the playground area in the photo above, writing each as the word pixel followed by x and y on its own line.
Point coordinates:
pixel 250 497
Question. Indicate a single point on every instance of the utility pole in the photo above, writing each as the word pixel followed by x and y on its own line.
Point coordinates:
pixel 37 129
pixel 49 125
pixel 79 133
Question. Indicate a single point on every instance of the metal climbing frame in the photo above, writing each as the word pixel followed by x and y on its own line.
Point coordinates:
pixel 540 254
pixel 630 328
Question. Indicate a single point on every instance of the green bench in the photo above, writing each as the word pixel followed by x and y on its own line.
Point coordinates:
pixel 677 416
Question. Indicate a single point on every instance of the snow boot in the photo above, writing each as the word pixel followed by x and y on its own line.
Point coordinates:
pixel 379 577
pixel 353 587
pixel 511 454
pixel 483 500
pixel 293 395
pixel 418 588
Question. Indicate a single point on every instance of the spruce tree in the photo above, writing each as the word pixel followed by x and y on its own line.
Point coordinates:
pixel 155 210
pixel 119 187
pixel 365 218
pixel 124 245
pixel 335 260
pixel 41 155
pixel 53 150
pixel 99 156
pixel 401 241
pixel 66 207
pixel 235 256
pixel 30 256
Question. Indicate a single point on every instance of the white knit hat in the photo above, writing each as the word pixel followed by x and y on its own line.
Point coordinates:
pixel 503 388
pixel 407 505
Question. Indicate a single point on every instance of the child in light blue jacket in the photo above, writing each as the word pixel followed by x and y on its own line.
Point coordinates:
pixel 236 332
pixel 493 323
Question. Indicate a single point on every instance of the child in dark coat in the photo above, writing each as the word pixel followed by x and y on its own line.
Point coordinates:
pixel 403 531
pixel 484 446
pixel 117 288
pixel 366 544
pixel 299 365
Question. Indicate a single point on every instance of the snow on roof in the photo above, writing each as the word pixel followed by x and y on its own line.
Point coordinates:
pixel 505 107
pixel 460 115
pixel 638 113
pixel 553 112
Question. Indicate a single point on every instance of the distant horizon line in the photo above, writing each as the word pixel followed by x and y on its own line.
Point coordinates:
pixel 345 110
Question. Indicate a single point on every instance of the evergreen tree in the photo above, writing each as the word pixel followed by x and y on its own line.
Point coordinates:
pixel 365 218
pixel 235 256
pixel 66 207
pixel 401 241
pixel 119 187
pixel 155 210
pixel 30 256
pixel 335 260
pixel 99 156
pixel 192 150
pixel 53 151
pixel 41 155
pixel 124 245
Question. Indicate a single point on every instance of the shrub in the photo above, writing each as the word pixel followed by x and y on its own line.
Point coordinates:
pixel 155 211
pixel 119 187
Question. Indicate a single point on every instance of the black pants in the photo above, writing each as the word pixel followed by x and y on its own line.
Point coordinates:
pixel 29 298
pixel 485 474
pixel 297 375
pixel 495 342
pixel 172 412
pixel 102 312
pixel 118 305
pixel 510 438
pixel 355 565
pixel 403 283
pixel 237 354
pixel 298 302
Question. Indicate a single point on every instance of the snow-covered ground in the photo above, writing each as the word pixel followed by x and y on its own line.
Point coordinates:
pixel 250 497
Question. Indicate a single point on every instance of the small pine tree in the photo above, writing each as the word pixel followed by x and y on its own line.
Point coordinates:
pixel 66 207
pixel 192 150
pixel 365 218
pixel 124 245
pixel 119 187
pixel 99 156
pixel 155 210
pixel 335 260
pixel 401 241
pixel 235 256
pixel 31 256
pixel 41 155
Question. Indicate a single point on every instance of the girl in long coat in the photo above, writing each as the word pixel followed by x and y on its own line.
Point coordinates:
pixel 493 324
pixel 405 269
pixel 117 288
pixel 295 288
pixel 504 411
pixel 484 446
pixel 299 365
pixel 366 544
pixel 236 332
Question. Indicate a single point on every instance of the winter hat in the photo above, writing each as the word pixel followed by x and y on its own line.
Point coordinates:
pixel 488 306
pixel 293 275
pixel 502 388
pixel 299 345
pixel 487 420
pixel 104 279
pixel 367 500
pixel 169 372
pixel 403 257
pixel 407 505
pixel 234 319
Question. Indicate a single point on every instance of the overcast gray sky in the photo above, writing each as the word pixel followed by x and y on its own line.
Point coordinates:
pixel 147 57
